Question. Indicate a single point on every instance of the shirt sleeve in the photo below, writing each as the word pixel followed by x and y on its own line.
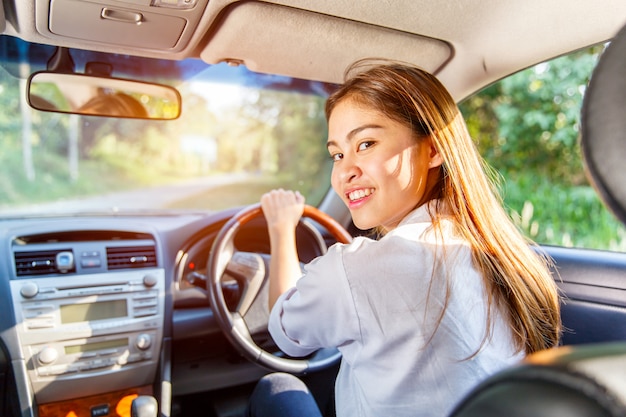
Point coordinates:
pixel 319 311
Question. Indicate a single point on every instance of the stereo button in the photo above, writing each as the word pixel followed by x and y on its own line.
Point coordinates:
pixel 29 290
pixel 39 307
pixel 145 302
pixel 33 314
pixel 60 370
pixel 81 366
pixel 99 363
pixel 143 341
pixel 40 324
pixel 47 355
pixel 91 263
pixel 150 280
pixel 145 294
pixel 88 355
pixel 43 371
pixel 142 312
pixel 135 357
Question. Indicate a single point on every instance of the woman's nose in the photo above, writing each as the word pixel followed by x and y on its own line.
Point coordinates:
pixel 348 170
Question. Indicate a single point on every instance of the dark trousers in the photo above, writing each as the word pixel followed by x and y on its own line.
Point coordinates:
pixel 282 395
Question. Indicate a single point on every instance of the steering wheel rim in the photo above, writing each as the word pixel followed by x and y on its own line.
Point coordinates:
pixel 233 324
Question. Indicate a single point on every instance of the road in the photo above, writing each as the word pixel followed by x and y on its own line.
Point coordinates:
pixel 153 198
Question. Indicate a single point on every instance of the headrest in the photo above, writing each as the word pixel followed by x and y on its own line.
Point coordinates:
pixel 603 123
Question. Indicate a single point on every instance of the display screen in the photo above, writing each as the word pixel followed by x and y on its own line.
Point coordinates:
pixel 102 310
pixel 90 347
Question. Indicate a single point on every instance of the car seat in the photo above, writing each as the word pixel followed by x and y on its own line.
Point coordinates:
pixel 589 380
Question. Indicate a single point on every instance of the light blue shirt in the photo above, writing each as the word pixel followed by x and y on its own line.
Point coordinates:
pixel 381 304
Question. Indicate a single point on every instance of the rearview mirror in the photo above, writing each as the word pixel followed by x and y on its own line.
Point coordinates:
pixel 102 96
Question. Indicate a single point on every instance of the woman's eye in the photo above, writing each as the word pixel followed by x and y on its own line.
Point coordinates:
pixel 336 157
pixel 364 145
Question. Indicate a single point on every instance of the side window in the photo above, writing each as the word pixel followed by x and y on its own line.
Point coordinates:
pixel 527 127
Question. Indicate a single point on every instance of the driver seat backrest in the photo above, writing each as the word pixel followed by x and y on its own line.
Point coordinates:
pixel 581 381
pixel 585 381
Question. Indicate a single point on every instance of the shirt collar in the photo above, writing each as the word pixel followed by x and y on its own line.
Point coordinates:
pixel 423 213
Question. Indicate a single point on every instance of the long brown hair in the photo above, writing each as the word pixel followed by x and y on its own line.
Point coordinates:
pixel 516 276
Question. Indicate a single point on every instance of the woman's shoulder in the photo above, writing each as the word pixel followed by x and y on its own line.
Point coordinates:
pixel 416 231
pixel 408 241
pixel 415 238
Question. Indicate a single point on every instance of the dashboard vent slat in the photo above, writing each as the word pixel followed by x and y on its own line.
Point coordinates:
pixel 131 257
pixel 37 262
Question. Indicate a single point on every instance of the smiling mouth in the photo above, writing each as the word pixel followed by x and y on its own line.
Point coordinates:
pixel 359 194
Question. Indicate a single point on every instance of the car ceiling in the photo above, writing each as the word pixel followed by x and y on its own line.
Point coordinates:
pixel 468 44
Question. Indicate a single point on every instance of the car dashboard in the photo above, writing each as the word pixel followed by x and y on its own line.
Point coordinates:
pixel 101 306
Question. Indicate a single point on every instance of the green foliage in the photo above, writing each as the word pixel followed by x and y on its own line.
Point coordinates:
pixel 562 215
pixel 527 128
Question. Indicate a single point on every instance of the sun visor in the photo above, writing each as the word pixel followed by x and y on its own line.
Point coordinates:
pixel 287 41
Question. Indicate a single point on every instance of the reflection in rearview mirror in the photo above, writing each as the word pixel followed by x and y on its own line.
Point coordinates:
pixel 102 96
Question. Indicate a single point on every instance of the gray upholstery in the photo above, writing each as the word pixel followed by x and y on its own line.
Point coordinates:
pixel 586 381
pixel 603 122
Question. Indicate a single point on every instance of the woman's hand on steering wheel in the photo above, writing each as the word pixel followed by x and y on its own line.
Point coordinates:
pixel 251 272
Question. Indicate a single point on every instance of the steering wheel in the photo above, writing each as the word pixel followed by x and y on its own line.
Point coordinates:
pixel 250 270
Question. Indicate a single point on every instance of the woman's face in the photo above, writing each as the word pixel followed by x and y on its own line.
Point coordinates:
pixel 380 170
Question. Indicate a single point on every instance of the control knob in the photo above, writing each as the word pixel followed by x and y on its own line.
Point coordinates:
pixel 143 341
pixel 29 290
pixel 47 355
pixel 150 280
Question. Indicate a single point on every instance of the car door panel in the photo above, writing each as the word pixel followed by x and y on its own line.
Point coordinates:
pixel 593 284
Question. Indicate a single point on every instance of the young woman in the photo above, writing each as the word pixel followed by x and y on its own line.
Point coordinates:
pixel 448 294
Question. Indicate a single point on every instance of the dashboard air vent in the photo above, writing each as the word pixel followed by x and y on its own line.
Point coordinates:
pixel 131 257
pixel 41 262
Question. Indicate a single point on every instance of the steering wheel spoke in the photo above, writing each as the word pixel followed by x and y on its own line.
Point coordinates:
pixel 249 270
pixel 225 256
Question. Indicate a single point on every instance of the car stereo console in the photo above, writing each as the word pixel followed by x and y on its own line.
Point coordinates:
pixel 106 326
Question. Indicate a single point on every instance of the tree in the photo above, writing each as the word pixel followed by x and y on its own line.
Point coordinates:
pixel 529 121
pixel 527 128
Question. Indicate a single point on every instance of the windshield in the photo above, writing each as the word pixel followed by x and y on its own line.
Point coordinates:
pixel 240 134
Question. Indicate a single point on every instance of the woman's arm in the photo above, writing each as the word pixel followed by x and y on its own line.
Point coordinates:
pixel 282 210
